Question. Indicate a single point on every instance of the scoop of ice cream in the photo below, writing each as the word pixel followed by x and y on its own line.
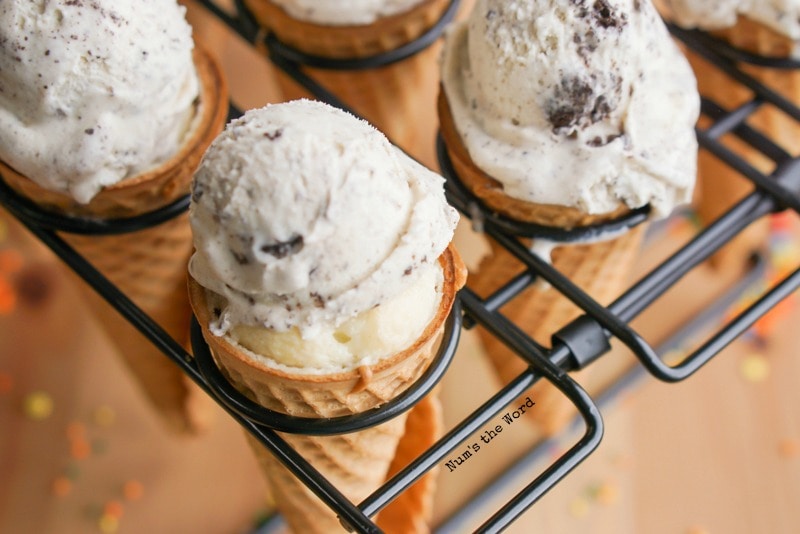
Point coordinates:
pixel 304 217
pixel 783 16
pixel 344 12
pixel 92 92
pixel 580 104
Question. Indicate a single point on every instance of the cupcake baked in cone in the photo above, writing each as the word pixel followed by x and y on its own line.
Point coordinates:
pixel 94 126
pixel 395 98
pixel 321 279
pixel 767 29
pixel 566 116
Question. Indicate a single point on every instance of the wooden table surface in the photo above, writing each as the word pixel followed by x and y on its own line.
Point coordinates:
pixel 718 453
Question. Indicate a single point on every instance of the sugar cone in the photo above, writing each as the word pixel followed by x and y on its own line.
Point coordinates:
pixel 396 98
pixel 355 463
pixel 720 186
pixel 149 266
pixel 600 268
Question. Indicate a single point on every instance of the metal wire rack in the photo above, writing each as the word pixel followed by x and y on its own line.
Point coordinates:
pixel 576 345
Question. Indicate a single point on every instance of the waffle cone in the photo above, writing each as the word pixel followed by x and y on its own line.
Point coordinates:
pixel 355 463
pixel 394 98
pixel 149 266
pixel 600 268
pixel 720 186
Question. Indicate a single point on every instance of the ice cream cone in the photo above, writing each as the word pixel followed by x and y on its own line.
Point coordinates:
pixel 355 463
pixel 394 98
pixel 720 186
pixel 149 266
pixel 600 268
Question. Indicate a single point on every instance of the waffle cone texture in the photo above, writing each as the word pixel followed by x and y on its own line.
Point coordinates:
pixel 149 266
pixel 719 185
pixel 395 98
pixel 599 268
pixel 355 463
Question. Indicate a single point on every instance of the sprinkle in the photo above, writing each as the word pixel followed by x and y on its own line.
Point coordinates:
pixel 113 509
pixel 754 368
pixel 76 431
pixel 789 448
pixel 108 524
pixel 579 507
pixel 72 471
pixel 38 406
pixel 8 297
pixel 673 357
pixel 104 416
pixel 99 446
pixel 79 449
pixel 6 383
pixel 132 490
pixel 606 494
pixel 61 486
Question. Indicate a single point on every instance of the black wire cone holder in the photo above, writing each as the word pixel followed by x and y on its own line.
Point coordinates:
pixel 574 346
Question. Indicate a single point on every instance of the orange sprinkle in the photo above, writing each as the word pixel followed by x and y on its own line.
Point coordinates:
pixel 11 261
pixel 61 487
pixel 113 509
pixel 8 297
pixel 133 490
pixel 607 494
pixel 6 383
pixel 80 449
pixel 76 431
pixel 789 448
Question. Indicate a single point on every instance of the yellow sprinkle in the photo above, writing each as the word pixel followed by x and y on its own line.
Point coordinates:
pixel 754 368
pixel 108 524
pixel 606 494
pixel 104 416
pixel 673 357
pixel 38 406
pixel 579 507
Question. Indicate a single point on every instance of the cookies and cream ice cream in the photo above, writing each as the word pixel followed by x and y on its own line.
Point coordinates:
pixel 92 92
pixel 783 16
pixel 344 12
pixel 319 238
pixel 579 104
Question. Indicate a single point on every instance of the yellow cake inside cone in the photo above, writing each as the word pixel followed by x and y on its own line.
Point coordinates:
pixel 357 463
pixel 149 265
pixel 394 98
pixel 562 152
pixel 322 277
